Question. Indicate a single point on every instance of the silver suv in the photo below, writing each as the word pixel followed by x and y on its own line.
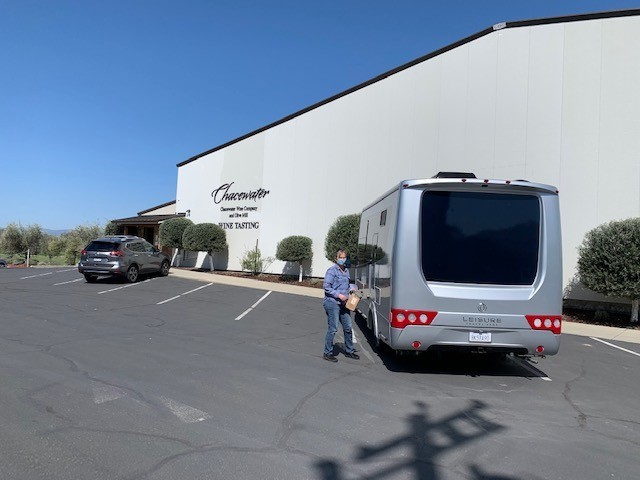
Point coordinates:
pixel 122 256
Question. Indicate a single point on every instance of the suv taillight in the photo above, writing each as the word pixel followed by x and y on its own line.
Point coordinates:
pixel 83 252
pixel 400 318
pixel 553 323
pixel 116 253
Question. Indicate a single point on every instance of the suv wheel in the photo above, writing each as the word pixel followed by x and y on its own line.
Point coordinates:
pixel 132 274
pixel 90 278
pixel 164 268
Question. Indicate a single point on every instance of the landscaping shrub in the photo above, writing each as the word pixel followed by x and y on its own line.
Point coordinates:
pixel 205 237
pixel 609 261
pixel 343 234
pixel 254 262
pixel 296 248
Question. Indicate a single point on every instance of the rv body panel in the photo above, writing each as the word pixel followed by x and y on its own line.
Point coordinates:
pixel 483 255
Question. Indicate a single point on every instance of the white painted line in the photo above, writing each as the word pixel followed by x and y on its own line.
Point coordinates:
pixel 184 412
pixel 40 275
pixel 125 286
pixel 71 281
pixel 363 349
pixel 196 289
pixel 261 299
pixel 616 346
pixel 239 317
pixel 185 293
pixel 62 271
pixel 168 300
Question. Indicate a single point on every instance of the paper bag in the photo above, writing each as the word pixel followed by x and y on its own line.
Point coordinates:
pixel 352 302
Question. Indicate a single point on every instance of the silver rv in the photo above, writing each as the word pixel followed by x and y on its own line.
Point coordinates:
pixel 460 263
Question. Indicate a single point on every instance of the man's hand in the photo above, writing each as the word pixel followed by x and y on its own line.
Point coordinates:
pixel 342 297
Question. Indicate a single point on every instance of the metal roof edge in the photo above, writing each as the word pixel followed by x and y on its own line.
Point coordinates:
pixel 435 53
pixel 156 207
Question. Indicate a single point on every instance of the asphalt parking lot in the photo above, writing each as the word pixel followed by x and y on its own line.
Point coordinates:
pixel 175 378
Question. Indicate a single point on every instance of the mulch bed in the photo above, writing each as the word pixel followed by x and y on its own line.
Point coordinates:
pixel 607 319
pixel 267 277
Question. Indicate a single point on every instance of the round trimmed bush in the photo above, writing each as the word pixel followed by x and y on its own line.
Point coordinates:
pixel 204 237
pixel 343 234
pixel 171 231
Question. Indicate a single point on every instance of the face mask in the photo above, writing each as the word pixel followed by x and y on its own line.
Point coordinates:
pixel 342 261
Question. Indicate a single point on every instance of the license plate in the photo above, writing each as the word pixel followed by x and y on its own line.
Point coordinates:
pixel 96 259
pixel 484 337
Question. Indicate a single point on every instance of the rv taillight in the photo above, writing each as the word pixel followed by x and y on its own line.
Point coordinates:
pixel 553 323
pixel 400 317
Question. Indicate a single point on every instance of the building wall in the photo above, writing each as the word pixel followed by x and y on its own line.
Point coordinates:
pixel 555 103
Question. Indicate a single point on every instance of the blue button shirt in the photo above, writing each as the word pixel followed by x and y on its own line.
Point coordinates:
pixel 336 282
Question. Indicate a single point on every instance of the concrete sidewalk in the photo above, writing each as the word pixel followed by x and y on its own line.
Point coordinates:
pixel 584 329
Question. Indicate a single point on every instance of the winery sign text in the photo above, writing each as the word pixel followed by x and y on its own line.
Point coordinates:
pixel 238 214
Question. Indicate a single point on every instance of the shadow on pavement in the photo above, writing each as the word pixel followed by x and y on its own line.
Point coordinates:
pixel 415 454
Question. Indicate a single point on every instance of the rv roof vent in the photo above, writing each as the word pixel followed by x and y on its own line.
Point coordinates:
pixel 454 175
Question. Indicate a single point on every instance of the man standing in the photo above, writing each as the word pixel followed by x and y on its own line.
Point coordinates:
pixel 336 293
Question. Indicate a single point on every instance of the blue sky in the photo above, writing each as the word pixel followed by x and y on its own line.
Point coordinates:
pixel 100 99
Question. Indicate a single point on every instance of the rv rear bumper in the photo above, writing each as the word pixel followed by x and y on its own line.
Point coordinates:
pixel 435 337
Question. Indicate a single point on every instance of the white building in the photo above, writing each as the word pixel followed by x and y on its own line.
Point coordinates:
pixel 553 101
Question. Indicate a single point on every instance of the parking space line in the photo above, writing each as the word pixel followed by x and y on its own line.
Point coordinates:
pixel 70 281
pixel 39 275
pixel 239 317
pixel 196 289
pixel 168 300
pixel 125 286
pixel 616 346
pixel 185 293
pixel 62 271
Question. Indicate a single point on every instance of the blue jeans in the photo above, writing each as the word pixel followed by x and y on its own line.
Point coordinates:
pixel 337 312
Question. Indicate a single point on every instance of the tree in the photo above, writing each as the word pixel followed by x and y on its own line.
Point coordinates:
pixel 171 232
pixel 205 237
pixel 609 261
pixel 112 228
pixel 77 239
pixel 55 246
pixel 34 238
pixel 72 248
pixel 12 241
pixel 343 234
pixel 294 249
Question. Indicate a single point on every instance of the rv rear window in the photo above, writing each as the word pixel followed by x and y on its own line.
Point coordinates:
pixel 482 238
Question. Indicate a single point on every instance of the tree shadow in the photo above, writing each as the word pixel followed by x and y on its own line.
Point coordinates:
pixel 451 363
pixel 425 441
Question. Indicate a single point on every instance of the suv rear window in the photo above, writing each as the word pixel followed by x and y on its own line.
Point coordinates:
pixel 482 238
pixel 102 247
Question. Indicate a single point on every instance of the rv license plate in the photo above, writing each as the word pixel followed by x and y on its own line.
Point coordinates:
pixel 480 337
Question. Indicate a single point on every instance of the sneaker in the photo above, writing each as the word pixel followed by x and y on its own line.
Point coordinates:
pixel 330 358
pixel 353 355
